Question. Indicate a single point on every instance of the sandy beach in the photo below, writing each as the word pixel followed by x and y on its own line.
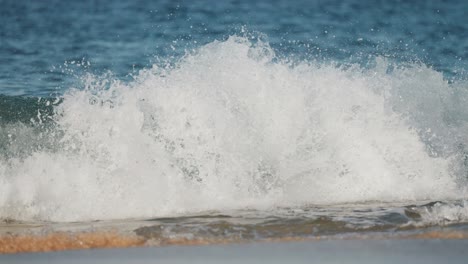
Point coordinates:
pixel 326 251
pixel 59 237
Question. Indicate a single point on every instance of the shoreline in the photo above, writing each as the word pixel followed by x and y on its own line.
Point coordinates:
pixel 362 251
pixel 13 243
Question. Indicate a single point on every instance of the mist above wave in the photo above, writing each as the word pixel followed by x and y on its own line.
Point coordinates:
pixel 233 126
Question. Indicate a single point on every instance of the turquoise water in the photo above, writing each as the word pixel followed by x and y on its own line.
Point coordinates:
pixel 350 115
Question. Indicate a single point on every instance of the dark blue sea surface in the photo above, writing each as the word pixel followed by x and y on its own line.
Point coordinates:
pixel 39 38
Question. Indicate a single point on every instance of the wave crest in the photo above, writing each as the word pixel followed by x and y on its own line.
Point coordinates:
pixel 232 126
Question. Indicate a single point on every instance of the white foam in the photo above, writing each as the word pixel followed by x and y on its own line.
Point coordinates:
pixel 443 214
pixel 231 127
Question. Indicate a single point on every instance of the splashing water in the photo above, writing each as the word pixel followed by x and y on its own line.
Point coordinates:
pixel 232 126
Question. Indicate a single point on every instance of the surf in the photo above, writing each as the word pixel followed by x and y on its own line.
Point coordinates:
pixel 231 125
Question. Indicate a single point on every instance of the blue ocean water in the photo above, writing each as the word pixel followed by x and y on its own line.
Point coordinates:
pixel 341 115
pixel 38 37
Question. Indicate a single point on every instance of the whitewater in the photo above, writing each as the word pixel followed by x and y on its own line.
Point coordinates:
pixel 233 126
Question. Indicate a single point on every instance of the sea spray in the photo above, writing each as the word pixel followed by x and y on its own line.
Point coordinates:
pixel 231 126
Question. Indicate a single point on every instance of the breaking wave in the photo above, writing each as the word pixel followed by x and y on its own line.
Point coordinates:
pixel 233 126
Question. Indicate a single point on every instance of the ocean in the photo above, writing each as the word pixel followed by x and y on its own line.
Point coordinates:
pixel 234 120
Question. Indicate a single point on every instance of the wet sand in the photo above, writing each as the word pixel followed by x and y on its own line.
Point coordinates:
pixel 73 240
pixel 322 251
pixel 146 242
